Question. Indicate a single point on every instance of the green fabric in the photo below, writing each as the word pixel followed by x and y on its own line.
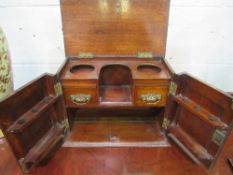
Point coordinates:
pixel 1 134
pixel 6 85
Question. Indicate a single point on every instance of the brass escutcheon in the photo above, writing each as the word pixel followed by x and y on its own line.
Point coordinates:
pixel 81 99
pixel 151 98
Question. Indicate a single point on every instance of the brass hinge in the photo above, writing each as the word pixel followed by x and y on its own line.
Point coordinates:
pixel 58 89
pixel 173 88
pixel 66 123
pixel 165 123
pixel 144 55
pixel 85 55
pixel 23 166
pixel 218 137
pixel 66 126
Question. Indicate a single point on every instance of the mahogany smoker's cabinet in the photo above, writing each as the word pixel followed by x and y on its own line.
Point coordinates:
pixel 115 60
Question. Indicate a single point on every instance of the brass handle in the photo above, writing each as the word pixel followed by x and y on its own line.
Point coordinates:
pixel 81 99
pixel 151 98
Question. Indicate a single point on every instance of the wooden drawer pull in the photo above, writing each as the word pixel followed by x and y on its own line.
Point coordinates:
pixel 80 99
pixel 151 98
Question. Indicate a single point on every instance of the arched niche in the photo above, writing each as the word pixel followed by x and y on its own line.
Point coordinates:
pixel 115 82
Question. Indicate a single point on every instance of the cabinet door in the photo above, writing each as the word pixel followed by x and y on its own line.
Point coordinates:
pixel 198 118
pixel 34 121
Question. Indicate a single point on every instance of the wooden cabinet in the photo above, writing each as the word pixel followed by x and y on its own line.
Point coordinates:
pixel 115 60
pixel 115 81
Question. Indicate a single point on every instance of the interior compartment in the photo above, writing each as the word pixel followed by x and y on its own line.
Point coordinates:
pixel 124 127
pixel 115 84
pixel 149 69
pixel 81 69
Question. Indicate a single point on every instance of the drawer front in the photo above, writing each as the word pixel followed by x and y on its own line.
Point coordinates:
pixel 150 96
pixel 80 96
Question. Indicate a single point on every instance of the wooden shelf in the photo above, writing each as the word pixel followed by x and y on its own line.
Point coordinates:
pixel 44 146
pixel 200 112
pixel 27 118
pixel 193 149
pixel 115 94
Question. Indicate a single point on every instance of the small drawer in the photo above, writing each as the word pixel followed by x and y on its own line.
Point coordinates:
pixel 150 96
pixel 80 96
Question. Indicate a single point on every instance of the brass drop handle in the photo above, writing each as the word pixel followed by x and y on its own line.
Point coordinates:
pixel 80 99
pixel 151 98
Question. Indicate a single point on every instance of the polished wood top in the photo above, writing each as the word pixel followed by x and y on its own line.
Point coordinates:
pixel 141 69
pixel 121 27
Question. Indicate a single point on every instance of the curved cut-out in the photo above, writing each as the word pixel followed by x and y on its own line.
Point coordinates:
pixel 115 84
pixel 149 69
pixel 83 68
pixel 115 74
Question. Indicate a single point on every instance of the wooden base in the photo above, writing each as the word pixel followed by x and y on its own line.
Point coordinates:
pixel 107 161
pixel 116 134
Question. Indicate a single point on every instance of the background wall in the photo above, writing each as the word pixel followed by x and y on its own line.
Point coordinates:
pixel 200 39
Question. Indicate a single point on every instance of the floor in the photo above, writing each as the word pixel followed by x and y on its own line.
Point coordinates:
pixel 107 161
